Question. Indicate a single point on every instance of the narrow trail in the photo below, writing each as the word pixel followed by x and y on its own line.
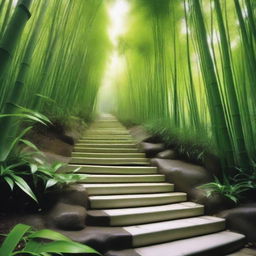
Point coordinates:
pixel 134 203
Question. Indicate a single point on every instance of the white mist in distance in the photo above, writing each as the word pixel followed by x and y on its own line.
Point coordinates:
pixel 117 11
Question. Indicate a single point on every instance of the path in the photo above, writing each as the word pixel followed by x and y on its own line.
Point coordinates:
pixel 125 191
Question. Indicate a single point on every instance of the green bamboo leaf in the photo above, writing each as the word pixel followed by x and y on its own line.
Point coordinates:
pixel 65 247
pixel 49 234
pixel 51 183
pixel 29 144
pixel 13 239
pixel 33 113
pixel 20 182
pixel 9 181
pixel 33 168
pixel 6 151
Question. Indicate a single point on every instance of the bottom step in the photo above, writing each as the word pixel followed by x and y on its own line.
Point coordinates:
pixel 220 243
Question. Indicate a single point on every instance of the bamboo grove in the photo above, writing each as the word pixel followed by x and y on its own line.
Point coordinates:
pixel 190 70
pixel 52 57
pixel 188 66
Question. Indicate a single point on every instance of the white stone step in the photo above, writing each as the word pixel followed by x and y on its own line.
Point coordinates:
pixel 127 188
pixel 115 178
pixel 106 145
pixel 117 201
pixel 114 169
pixel 105 150
pixel 114 125
pixel 153 233
pixel 109 155
pixel 107 137
pixel 107 131
pixel 139 215
pixel 216 244
pixel 109 161
pixel 82 143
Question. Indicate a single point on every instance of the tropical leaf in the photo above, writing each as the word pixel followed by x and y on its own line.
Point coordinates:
pixel 13 239
pixel 22 184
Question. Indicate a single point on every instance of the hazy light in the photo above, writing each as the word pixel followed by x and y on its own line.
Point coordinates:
pixel 15 2
pixel 117 13
pixel 244 13
pixel 214 38
pixel 234 43
pixel 187 7
pixel 184 29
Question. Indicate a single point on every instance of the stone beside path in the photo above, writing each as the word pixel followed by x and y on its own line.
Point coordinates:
pixel 140 212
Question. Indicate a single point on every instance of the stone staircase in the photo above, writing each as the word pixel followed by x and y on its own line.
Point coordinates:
pixel 126 192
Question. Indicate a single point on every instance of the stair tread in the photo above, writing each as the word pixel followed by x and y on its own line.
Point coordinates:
pixel 106 144
pixel 109 185
pixel 110 161
pixel 171 225
pixel 109 141
pixel 147 209
pixel 103 150
pixel 110 169
pixel 114 155
pixel 124 175
pixel 118 197
pixel 110 138
pixel 209 244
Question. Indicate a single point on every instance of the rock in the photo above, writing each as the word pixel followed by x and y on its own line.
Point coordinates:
pixel 244 252
pixel 37 221
pixel 73 194
pixel 167 154
pixel 242 219
pixel 154 139
pixel 102 238
pixel 151 149
pixel 67 217
pixel 184 175
pixel 212 204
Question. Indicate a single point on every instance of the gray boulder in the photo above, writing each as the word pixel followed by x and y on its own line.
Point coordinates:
pixel 167 154
pixel 242 219
pixel 185 176
pixel 67 217
pixel 151 149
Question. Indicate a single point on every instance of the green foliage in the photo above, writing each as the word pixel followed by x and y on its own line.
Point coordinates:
pixel 13 168
pixel 21 114
pixel 12 178
pixel 42 63
pixel 233 191
pixel 189 145
pixel 12 157
pixel 50 173
pixel 195 74
pixel 23 240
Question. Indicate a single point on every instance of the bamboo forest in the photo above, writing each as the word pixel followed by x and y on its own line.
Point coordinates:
pixel 127 127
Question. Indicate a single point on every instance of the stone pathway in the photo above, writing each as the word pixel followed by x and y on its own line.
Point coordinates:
pixel 128 194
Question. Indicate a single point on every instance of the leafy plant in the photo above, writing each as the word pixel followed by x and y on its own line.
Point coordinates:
pixel 247 176
pixel 233 191
pixel 8 168
pixel 50 174
pixel 23 240
pixel 15 157
pixel 7 142
pixel 12 178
